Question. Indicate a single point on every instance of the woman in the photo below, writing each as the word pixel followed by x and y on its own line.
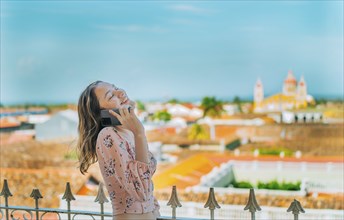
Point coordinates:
pixel 121 151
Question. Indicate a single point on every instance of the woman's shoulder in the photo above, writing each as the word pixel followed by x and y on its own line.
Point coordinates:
pixel 107 130
pixel 107 137
pixel 114 132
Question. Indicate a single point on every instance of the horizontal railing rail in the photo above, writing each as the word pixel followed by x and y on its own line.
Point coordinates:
pixel 44 211
pixel 29 213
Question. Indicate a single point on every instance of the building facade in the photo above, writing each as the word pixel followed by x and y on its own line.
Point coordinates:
pixel 294 96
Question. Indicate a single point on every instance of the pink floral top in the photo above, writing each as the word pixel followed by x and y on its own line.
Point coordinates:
pixel 128 181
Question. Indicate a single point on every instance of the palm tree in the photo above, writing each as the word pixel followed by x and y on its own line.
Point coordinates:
pixel 198 132
pixel 212 107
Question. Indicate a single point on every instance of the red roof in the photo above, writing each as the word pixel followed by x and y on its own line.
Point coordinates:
pixel 293 81
pixel 188 105
pixel 6 123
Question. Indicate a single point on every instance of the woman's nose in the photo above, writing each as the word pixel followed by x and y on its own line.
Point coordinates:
pixel 120 93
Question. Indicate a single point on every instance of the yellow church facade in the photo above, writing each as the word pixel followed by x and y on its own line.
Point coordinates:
pixel 293 96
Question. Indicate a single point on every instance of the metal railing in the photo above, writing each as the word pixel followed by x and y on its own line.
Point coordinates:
pixel 28 213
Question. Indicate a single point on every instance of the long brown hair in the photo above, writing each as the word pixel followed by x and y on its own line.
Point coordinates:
pixel 88 128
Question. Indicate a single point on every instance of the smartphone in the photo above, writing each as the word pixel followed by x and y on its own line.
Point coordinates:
pixel 109 120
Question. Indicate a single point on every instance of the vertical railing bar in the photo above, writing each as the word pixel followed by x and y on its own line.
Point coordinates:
pixel 68 196
pixel 296 216
pixel 174 202
pixel 101 199
pixel 212 203
pixel 37 213
pixel 252 204
pixel 36 195
pixel 6 204
pixel 102 211
pixel 68 210
pixel 6 193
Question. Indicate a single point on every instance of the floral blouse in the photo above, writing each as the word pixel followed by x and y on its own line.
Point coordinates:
pixel 128 181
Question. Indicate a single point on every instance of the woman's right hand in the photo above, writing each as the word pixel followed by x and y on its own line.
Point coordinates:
pixel 129 120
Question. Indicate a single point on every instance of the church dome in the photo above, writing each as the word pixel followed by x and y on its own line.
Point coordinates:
pixel 290 78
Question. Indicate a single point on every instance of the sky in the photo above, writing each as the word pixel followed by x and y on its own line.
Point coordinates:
pixel 159 50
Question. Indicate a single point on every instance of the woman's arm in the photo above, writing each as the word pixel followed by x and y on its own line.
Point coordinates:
pixel 141 147
pixel 131 122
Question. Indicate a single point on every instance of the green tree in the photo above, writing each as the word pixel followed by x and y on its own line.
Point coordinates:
pixel 173 101
pixel 198 132
pixel 320 101
pixel 140 106
pixel 212 107
pixel 162 116
pixel 238 102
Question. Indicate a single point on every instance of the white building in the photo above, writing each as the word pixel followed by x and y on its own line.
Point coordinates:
pixel 151 108
pixel 294 96
pixel 179 110
pixel 62 125
pixel 290 117
pixel 231 109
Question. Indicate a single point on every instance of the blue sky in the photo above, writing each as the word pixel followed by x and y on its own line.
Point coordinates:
pixel 51 50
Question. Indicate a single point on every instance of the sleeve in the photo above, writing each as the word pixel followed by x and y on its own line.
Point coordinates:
pixel 118 166
pixel 152 163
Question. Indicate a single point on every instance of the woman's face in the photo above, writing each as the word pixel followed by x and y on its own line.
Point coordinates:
pixel 110 96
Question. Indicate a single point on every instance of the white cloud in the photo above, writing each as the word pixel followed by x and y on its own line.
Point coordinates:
pixel 188 8
pixel 132 28
pixel 27 64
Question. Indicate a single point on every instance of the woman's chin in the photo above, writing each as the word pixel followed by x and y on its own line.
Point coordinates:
pixel 128 106
pixel 132 104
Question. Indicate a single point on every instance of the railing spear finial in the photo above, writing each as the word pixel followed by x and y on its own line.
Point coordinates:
pixel 212 203
pixel 68 196
pixel 295 207
pixel 6 193
pixel 36 195
pixel 5 190
pixel 252 204
pixel 101 199
pixel 174 202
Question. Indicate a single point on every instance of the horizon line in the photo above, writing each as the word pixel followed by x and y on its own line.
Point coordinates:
pixel 327 97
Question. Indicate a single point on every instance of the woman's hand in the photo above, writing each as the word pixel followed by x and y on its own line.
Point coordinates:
pixel 129 120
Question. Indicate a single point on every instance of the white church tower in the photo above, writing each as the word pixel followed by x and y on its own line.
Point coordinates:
pixel 301 96
pixel 258 95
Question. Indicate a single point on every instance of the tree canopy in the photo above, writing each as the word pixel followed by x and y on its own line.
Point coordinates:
pixel 212 107
pixel 162 116
pixel 198 132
